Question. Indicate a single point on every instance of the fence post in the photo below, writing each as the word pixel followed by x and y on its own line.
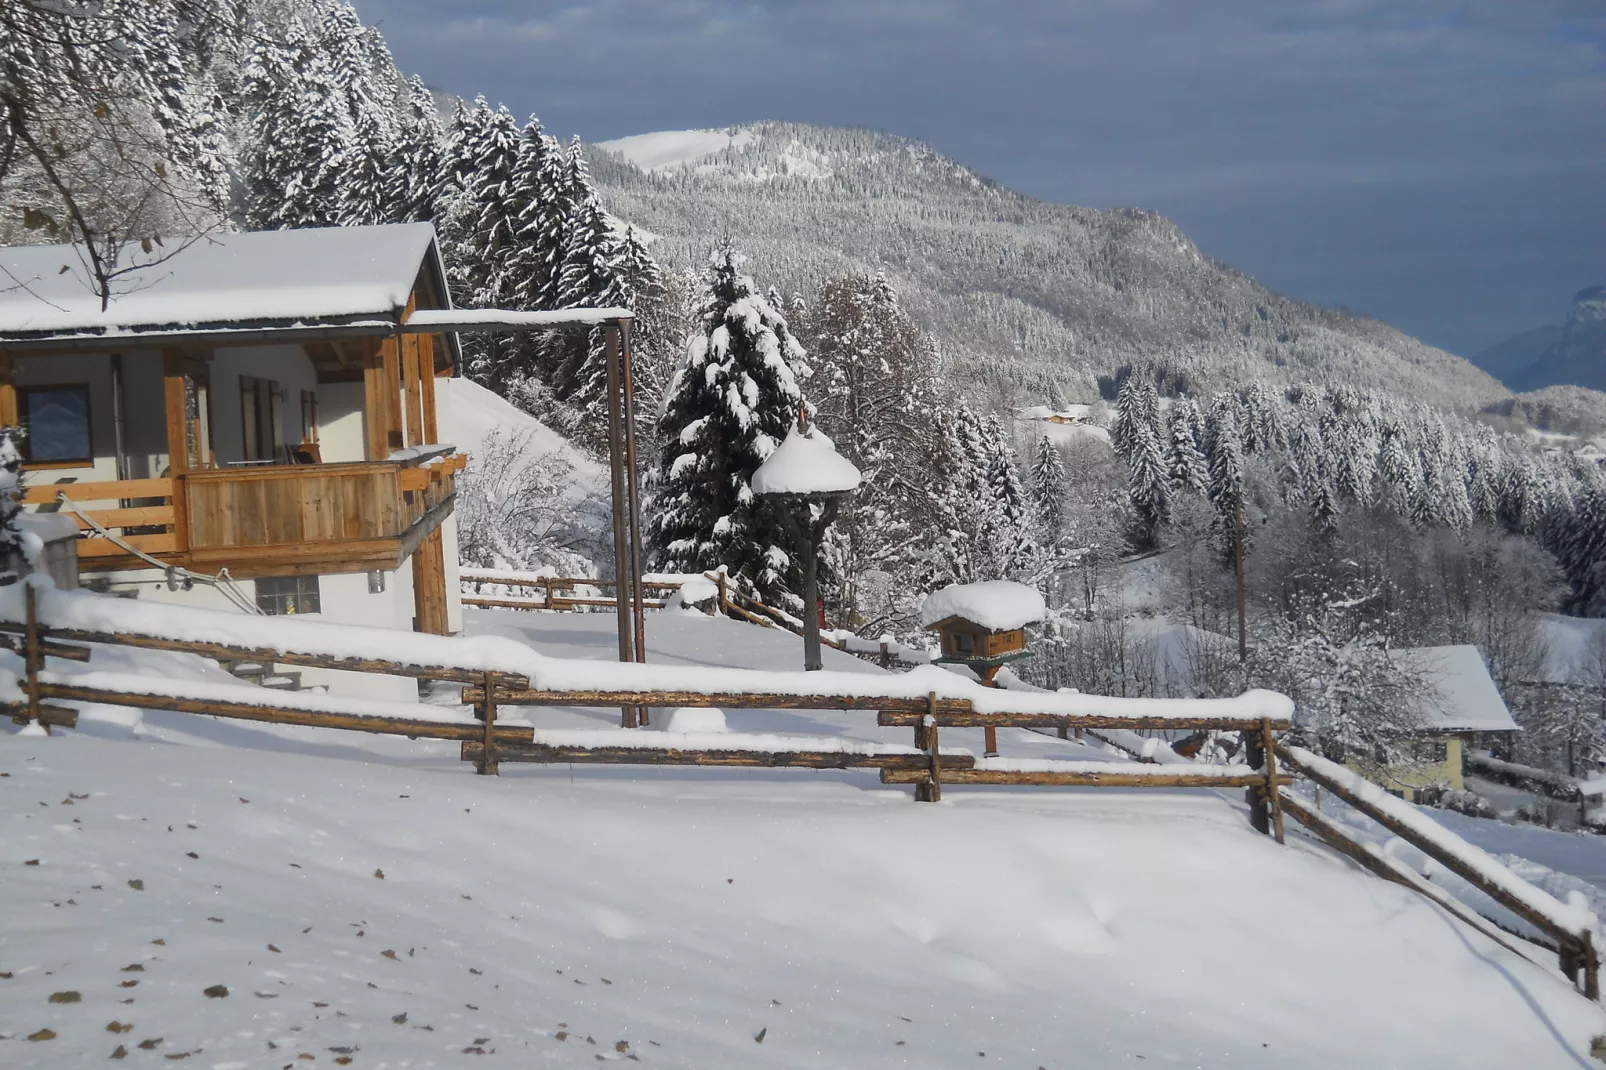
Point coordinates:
pixel 1591 968
pixel 546 586
pixel 886 655
pixel 927 736
pixel 488 765
pixel 31 656
pixel 1270 746
pixel 1254 795
pixel 724 599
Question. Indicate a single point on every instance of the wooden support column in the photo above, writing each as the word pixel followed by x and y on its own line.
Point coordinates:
pixel 376 413
pixel 176 395
pixel 413 388
pixel 8 391
pixel 928 738
pixel 429 585
pixel 1255 795
pixel 391 362
pixel 426 365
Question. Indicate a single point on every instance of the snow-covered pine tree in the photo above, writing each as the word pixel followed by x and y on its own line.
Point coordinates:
pixel 299 134
pixel 1010 536
pixel 1224 444
pixel 730 404
pixel 590 277
pixel 480 228
pixel 1186 464
pixel 413 182
pixel 1148 483
pixel 1050 488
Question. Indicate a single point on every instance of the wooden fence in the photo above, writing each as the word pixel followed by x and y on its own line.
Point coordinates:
pixel 488 741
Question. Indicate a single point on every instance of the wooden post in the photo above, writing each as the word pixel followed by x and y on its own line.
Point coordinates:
pixel 621 548
pixel 546 586
pixel 8 391
pixel 426 368
pixel 927 736
pixel 375 412
pixel 31 656
pixel 1591 968
pixel 391 369
pixel 412 379
pixel 488 767
pixel 724 599
pixel 1270 746
pixel 1254 795
pixel 429 585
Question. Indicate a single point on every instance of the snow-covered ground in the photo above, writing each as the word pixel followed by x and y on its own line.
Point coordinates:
pixel 668 149
pixel 371 900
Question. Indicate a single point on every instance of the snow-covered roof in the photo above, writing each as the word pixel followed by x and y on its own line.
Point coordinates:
pixel 997 605
pixel 1465 697
pixel 356 278
pixel 806 463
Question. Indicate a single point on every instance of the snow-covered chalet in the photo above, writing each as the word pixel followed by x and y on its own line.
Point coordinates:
pixel 248 421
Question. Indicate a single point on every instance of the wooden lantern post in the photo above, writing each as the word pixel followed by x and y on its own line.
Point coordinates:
pixel 805 480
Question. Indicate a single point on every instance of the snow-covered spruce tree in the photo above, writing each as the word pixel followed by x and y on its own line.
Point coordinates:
pixel 479 229
pixel 413 181
pixel 1009 534
pixel 731 403
pixel 1148 485
pixel 299 134
pixel 1050 488
pixel 1186 461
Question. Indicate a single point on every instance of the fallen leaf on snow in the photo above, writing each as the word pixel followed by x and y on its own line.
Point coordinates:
pixel 43 1034
pixel 388 953
pixel 119 1027
pixel 399 1019
pixel 150 1045
pixel 215 992
pixel 379 873
pixel 133 967
pixel 758 1037
pixel 273 949
pixel 65 997
pixel 31 862
pixel 120 1053
pixel 137 885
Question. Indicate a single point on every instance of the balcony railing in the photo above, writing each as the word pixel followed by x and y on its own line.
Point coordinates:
pixel 264 519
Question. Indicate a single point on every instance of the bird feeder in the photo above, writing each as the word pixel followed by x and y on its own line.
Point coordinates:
pixel 982 626
pixel 806 480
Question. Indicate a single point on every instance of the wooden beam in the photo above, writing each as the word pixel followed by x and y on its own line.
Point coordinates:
pixel 713 699
pixel 971 719
pixel 227 652
pixel 135 517
pixel 387 726
pixel 108 491
pixel 796 759
pixel 1078 779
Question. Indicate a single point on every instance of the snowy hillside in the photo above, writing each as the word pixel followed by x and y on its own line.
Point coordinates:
pixel 247 896
pixel 1037 300
pixel 469 414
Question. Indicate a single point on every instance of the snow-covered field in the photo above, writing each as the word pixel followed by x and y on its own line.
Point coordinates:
pixel 371 900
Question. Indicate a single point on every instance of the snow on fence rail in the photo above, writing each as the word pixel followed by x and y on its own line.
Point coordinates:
pixel 1526 777
pixel 1571 924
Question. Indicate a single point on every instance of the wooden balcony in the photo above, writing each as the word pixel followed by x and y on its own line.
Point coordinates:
pixel 268 520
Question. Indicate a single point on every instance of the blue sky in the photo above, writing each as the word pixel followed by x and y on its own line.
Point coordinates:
pixel 1440 165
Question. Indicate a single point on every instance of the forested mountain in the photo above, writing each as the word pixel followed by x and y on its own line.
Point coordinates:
pixel 1573 354
pixel 1033 300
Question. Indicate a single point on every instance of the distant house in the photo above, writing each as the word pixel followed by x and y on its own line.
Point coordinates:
pixel 1462 703
pixel 252 419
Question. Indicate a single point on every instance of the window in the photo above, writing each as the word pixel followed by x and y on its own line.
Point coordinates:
pixel 57 421
pixel 286 596
pixel 259 419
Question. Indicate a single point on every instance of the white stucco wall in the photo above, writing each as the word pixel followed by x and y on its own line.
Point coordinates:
pixel 340 422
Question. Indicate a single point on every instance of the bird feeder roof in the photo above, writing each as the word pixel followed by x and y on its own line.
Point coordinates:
pixel 996 605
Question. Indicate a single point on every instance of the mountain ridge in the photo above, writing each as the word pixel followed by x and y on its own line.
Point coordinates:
pixel 1035 301
pixel 1573 354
